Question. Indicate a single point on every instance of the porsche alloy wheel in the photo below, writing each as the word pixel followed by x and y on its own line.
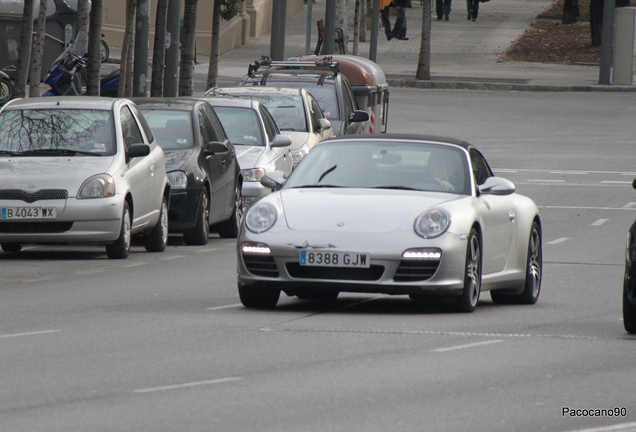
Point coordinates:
pixel 534 272
pixel 468 299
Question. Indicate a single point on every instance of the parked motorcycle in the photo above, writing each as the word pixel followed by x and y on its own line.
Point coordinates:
pixel 65 74
pixel 6 88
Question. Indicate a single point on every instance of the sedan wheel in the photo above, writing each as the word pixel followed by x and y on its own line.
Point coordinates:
pixel 201 231
pixel 258 297
pixel 534 272
pixel 157 240
pixel 120 248
pixel 230 228
pixel 468 299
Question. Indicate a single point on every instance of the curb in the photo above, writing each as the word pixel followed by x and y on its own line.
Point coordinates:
pixel 468 85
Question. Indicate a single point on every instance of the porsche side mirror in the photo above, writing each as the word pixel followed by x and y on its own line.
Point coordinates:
pixel 497 186
pixel 273 180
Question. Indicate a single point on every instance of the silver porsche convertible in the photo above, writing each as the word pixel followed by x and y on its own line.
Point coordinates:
pixel 396 214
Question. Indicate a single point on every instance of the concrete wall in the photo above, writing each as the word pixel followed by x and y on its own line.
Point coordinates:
pixel 254 20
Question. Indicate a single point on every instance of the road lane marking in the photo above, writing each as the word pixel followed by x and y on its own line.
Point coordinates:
pixel 557 241
pixel 225 307
pixel 186 385
pixel 546 181
pixel 471 345
pixel 622 427
pixel 35 333
pixel 615 182
pixel 570 172
pixel 587 208
pixel 629 205
pixel 599 222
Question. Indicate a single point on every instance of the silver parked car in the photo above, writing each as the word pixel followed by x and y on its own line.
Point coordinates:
pixel 397 214
pixel 260 146
pixel 81 170
pixel 295 110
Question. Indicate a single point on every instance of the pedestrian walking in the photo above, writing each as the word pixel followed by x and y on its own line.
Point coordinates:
pixel 473 9
pixel 385 12
pixel 399 30
pixel 442 9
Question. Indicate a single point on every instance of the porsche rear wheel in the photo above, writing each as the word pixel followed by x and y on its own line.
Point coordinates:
pixel 468 299
pixel 534 272
pixel 258 297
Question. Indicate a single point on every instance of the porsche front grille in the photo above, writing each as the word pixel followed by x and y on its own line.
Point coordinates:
pixel 31 197
pixel 372 273
pixel 415 270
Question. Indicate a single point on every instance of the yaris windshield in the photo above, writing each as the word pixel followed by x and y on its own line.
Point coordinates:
pixel 57 132
pixel 384 165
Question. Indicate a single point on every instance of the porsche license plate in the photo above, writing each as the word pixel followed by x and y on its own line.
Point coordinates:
pixel 28 213
pixel 334 259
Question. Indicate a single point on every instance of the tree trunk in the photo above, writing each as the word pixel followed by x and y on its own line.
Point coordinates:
pixel 596 21
pixel 188 41
pixel 364 19
pixel 159 49
pixel 83 11
pixel 571 12
pixel 38 53
pixel 356 28
pixel 342 20
pixel 127 50
pixel 215 46
pixel 94 59
pixel 24 49
pixel 424 62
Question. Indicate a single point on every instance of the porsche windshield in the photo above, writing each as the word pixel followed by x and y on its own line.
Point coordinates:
pixel 57 132
pixel 385 165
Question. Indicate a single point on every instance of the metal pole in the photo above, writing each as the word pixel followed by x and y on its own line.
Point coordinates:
pixel 330 27
pixel 140 72
pixel 375 29
pixel 277 41
pixel 607 41
pixel 173 27
pixel 309 24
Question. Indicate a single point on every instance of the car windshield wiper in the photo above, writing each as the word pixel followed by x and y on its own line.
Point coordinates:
pixel 50 151
pixel 317 186
pixel 396 187
pixel 322 176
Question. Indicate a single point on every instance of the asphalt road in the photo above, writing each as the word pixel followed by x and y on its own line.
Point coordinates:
pixel 159 342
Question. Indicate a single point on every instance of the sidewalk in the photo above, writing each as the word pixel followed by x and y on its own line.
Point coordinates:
pixel 464 54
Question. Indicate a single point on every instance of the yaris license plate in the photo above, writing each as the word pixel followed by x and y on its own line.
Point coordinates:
pixel 28 213
pixel 334 259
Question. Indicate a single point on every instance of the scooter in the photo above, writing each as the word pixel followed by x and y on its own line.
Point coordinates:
pixel 65 74
pixel 6 88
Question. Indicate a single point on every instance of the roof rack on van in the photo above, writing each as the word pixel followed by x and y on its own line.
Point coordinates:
pixel 267 62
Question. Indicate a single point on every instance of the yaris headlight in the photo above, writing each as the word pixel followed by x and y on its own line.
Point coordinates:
pixel 98 186
pixel 261 217
pixel 432 223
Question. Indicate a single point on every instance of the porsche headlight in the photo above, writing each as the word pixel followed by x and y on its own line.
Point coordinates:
pixel 253 174
pixel 432 223
pixel 98 186
pixel 178 179
pixel 260 217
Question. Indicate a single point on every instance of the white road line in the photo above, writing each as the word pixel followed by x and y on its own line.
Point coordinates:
pixel 587 208
pixel 456 347
pixel 225 307
pixel 600 222
pixel 570 172
pixel 630 205
pixel 615 182
pixel 546 181
pixel 612 428
pixel 557 241
pixel 186 385
pixel 28 334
